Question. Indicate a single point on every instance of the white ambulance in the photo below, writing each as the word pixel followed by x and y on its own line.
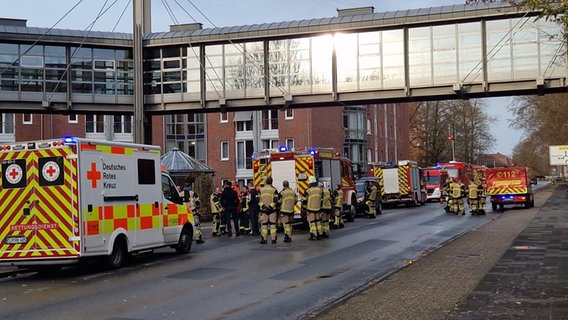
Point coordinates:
pixel 71 199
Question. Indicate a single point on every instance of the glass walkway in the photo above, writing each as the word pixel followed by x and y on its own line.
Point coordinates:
pixel 449 52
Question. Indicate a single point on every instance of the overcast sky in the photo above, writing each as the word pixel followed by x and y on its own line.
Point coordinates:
pixel 221 13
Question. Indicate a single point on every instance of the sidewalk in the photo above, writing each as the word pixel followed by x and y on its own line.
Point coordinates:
pixel 530 281
pixel 514 267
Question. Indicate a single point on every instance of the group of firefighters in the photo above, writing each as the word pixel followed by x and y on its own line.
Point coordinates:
pixel 454 192
pixel 261 211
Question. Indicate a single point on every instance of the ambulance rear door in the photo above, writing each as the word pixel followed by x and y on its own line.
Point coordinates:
pixel 39 203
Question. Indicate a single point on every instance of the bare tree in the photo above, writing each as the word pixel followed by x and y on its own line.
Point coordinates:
pixel 544 121
pixel 529 153
pixel 465 122
pixel 430 127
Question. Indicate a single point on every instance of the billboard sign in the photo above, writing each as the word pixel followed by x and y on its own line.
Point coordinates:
pixel 558 155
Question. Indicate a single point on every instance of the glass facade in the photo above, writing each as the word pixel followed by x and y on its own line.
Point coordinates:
pixel 355 124
pixel 40 68
pixel 101 71
pixel 517 49
pixel 421 56
pixel 187 132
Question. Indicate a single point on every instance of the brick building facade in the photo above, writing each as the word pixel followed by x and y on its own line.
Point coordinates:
pixel 365 134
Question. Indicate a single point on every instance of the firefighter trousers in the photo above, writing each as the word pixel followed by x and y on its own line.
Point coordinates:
pixel 337 218
pixel 314 221
pixel 216 228
pixel 325 216
pixel 473 204
pixel 457 205
pixel 371 210
pixel 198 235
pixel 268 224
pixel 245 222
pixel 286 219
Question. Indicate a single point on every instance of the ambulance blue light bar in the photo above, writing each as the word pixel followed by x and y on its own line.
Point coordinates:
pixel 69 140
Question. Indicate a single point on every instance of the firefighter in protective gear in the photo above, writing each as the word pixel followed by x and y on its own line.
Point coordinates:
pixel 244 226
pixel 254 209
pixel 456 196
pixel 193 202
pixel 312 204
pixel 337 207
pixel 473 198
pixel 216 208
pixel 371 211
pixel 287 200
pixel 481 196
pixel 446 195
pixel 268 211
pixel 325 213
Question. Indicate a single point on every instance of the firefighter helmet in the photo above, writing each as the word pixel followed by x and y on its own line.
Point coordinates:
pixel 312 179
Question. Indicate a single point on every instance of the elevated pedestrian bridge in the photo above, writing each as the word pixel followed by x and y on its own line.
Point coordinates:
pixel 359 57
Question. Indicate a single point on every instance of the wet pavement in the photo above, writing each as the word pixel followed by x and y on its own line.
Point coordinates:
pixel 514 267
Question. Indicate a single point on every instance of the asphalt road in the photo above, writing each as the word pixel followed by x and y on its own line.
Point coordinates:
pixel 238 278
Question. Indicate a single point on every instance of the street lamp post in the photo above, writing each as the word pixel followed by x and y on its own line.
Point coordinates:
pixel 453 150
pixel 451 139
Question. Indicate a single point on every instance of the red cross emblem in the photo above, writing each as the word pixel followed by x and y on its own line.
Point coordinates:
pixel 94 175
pixel 14 173
pixel 50 171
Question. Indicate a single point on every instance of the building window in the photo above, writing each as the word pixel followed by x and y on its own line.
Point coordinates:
pixel 244 151
pixel 32 61
pixel 95 123
pixel 269 119
pixel 270 144
pixel 244 125
pixel 27 118
pixel 224 150
pixel 7 124
pixel 289 114
pixel 73 118
pixel 223 117
pixel 122 124
pixel 103 65
pixel 290 143
pixel 187 131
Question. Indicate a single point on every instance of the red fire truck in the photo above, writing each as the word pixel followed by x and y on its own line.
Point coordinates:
pixel 462 171
pixel 298 165
pixel 434 179
pixel 400 183
pixel 509 186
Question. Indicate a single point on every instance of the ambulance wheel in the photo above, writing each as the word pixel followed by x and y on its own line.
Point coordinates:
pixel 116 259
pixel 185 240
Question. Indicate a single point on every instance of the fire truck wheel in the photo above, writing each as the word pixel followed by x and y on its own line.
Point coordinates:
pixel 185 240
pixel 116 259
pixel 350 215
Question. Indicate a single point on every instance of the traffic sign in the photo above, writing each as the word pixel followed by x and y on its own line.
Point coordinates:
pixel 558 155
